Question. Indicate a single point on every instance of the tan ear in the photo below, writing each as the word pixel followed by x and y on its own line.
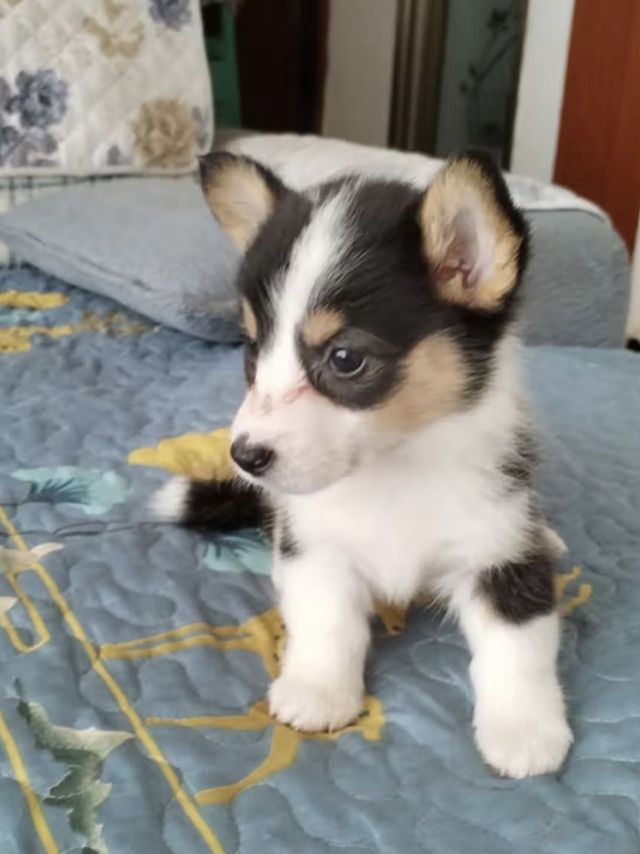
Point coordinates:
pixel 473 236
pixel 240 192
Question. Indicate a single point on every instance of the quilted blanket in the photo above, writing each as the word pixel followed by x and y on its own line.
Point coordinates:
pixel 135 657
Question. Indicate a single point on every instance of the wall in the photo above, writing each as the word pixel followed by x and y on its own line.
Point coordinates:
pixel 357 96
pixel 540 93
pixel 633 328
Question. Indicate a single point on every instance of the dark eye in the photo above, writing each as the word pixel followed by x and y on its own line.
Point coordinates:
pixel 347 363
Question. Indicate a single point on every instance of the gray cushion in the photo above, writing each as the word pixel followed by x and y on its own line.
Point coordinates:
pixel 153 245
pixel 576 286
pixel 149 243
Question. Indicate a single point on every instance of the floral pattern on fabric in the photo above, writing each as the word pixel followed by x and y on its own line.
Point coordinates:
pixel 165 134
pixel 28 109
pixel 174 14
pixel 80 792
pixel 119 32
pixel 199 455
pixel 102 87
pixel 236 552
pixel 96 491
pixel 40 99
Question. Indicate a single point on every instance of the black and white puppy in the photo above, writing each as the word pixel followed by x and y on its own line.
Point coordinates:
pixel 384 422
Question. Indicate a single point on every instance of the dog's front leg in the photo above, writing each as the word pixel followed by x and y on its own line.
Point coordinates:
pixel 325 607
pixel 513 630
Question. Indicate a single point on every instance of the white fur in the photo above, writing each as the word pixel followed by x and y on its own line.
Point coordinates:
pixel 169 503
pixel 555 542
pixel 429 514
pixel 325 606
pixel 319 247
pixel 430 510
pixel 315 442
pixel 519 718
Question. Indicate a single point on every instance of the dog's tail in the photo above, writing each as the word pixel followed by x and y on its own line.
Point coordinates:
pixel 212 505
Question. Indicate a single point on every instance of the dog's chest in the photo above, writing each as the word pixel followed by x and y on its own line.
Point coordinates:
pixel 404 528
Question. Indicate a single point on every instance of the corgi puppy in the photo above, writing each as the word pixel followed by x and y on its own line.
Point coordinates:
pixel 385 427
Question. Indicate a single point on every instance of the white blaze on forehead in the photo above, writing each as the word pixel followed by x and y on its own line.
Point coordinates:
pixel 320 246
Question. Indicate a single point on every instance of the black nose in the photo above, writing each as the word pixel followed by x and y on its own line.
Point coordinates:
pixel 254 459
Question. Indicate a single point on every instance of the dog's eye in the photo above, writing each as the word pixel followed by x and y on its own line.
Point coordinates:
pixel 347 363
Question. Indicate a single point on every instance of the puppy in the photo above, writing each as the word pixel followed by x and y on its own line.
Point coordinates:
pixel 384 424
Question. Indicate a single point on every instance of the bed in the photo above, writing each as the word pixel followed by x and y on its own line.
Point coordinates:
pixel 135 656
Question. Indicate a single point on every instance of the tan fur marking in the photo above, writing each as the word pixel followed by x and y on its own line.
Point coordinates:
pixel 321 325
pixel 241 200
pixel 249 321
pixel 462 186
pixel 435 380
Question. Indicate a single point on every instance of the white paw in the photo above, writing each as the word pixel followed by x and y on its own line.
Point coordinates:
pixel 524 744
pixel 168 503
pixel 313 708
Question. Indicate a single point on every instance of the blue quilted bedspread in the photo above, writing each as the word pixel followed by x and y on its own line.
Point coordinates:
pixel 135 657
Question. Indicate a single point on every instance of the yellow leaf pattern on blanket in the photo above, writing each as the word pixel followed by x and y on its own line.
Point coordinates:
pixel 568 602
pixel 6 603
pixel 18 560
pixel 262 635
pixel 203 456
pixel 32 299
pixel 18 339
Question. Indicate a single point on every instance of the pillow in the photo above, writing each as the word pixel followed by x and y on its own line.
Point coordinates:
pixel 20 189
pixel 149 243
pixel 95 86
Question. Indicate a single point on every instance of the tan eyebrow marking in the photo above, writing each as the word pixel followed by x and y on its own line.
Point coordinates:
pixel 249 320
pixel 321 325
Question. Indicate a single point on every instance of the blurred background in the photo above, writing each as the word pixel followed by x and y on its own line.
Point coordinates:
pixel 549 86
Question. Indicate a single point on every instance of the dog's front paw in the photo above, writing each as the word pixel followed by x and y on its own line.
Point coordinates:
pixel 523 743
pixel 313 708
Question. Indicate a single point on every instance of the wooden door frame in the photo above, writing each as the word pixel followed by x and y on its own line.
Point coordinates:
pixel 598 153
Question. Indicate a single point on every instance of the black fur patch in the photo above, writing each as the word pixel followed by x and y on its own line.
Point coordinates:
pixel 385 290
pixel 379 286
pixel 519 465
pixel 522 589
pixel 269 256
pixel 288 544
pixel 224 505
pixel 250 361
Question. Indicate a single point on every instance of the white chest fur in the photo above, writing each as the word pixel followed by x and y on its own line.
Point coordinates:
pixel 434 509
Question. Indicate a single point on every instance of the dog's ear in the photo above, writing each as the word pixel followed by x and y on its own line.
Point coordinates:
pixel 241 193
pixel 473 236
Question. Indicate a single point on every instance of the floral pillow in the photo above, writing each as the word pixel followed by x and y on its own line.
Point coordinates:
pixel 102 86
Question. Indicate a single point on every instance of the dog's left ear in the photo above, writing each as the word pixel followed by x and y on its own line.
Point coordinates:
pixel 241 193
pixel 473 236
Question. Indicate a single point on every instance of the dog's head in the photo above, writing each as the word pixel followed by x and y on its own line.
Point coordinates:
pixel 370 309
